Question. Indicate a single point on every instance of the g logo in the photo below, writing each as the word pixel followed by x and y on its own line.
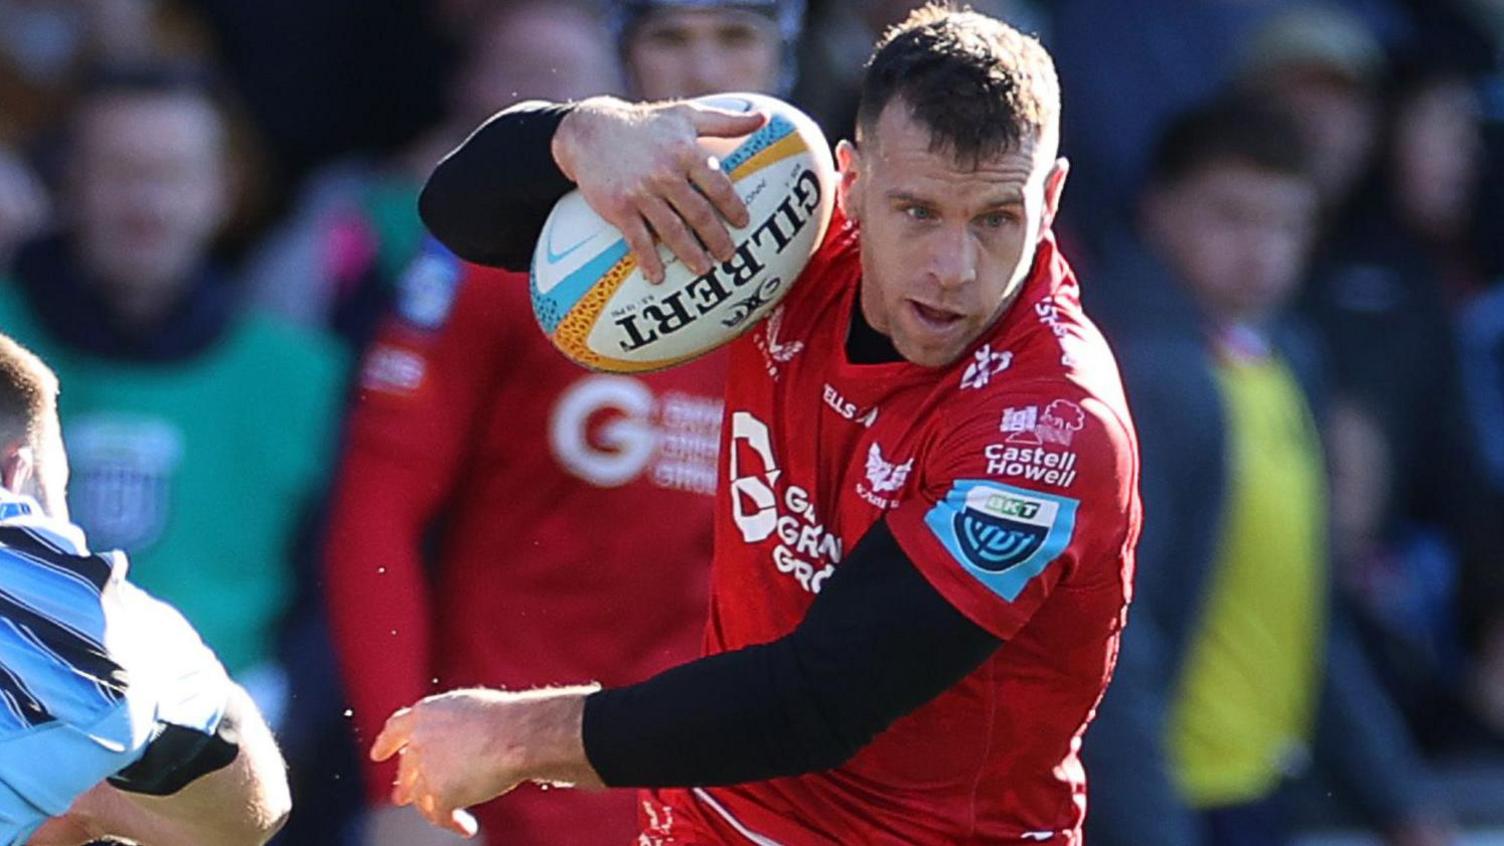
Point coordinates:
pixel 622 447
pixel 757 523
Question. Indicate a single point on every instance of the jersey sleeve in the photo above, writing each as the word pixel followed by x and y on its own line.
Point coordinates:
pixel 424 384
pixel 93 671
pixel 1021 494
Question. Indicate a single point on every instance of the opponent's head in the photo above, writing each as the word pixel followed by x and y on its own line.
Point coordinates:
pixel 953 177
pixel 149 183
pixel 1231 207
pixel 32 460
pixel 687 48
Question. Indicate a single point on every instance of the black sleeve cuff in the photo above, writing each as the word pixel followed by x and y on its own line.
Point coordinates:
pixel 487 200
pixel 178 756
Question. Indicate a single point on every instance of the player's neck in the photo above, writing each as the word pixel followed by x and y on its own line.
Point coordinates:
pixel 866 345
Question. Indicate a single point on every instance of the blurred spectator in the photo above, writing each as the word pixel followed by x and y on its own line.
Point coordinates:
pixel 45 46
pixel 334 261
pixel 25 205
pixel 198 432
pixel 1236 666
pixel 503 517
pixel 1383 296
pixel 840 38
pixel 1126 68
pixel 1325 66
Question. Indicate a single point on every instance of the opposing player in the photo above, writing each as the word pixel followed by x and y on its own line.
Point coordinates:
pixel 115 719
pixel 927 506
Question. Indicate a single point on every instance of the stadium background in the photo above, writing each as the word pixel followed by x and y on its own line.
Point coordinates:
pixel 340 106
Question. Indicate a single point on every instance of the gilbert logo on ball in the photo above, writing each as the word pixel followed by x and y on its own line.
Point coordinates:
pixel 598 309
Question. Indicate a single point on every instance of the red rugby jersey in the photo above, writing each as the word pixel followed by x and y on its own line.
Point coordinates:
pixel 574 523
pixel 1009 477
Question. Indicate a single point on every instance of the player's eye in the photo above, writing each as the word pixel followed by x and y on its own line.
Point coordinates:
pixel 665 38
pixel 997 219
pixel 740 36
pixel 918 212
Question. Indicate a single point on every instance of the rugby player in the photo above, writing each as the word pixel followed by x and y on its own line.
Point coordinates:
pixel 115 719
pixel 927 507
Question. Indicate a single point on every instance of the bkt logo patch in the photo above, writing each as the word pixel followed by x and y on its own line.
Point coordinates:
pixel 1004 536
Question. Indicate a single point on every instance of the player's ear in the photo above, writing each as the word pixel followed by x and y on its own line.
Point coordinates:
pixel 17 465
pixel 848 190
pixel 1054 186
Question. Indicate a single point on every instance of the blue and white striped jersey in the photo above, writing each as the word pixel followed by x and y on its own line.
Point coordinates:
pixel 91 668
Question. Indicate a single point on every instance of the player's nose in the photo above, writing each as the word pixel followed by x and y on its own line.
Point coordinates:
pixel 953 257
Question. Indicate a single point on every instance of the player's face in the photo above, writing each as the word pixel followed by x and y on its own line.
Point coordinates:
pixel 149 191
pixel 676 53
pixel 945 244
pixel 1237 235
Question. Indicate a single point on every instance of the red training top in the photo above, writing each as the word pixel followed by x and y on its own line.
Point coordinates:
pixel 573 529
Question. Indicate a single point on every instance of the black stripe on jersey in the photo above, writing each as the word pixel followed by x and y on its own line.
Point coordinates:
pixel 20 701
pixel 95 569
pixel 66 644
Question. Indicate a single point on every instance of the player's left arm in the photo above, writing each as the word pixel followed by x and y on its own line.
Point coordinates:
pixel 878 642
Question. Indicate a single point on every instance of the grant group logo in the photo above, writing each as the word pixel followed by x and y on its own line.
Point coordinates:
pixel 806 550
pixel 612 430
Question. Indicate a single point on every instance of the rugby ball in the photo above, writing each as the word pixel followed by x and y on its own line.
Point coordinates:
pixel 593 302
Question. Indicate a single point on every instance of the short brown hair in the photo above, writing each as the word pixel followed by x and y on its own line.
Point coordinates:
pixel 28 394
pixel 1238 128
pixel 980 86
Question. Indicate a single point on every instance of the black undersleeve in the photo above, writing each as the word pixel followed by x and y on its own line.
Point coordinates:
pixel 878 642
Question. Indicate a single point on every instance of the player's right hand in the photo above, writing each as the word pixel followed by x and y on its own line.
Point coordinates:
pixel 640 168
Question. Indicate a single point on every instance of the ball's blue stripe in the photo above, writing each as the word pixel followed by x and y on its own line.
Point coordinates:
pixel 775 130
pixel 552 306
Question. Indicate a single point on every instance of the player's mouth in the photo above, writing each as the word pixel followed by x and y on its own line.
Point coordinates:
pixel 934 318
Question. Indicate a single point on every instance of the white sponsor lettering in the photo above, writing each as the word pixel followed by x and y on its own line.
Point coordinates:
pixel 392 370
pixel 1033 464
pixel 847 409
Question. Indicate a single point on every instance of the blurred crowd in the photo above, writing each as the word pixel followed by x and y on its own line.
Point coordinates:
pixel 1287 215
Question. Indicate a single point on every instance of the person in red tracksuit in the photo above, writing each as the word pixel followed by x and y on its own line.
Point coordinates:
pixel 555 485
pixel 504 517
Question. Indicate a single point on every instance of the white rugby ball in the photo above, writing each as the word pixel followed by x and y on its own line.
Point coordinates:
pixel 593 302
